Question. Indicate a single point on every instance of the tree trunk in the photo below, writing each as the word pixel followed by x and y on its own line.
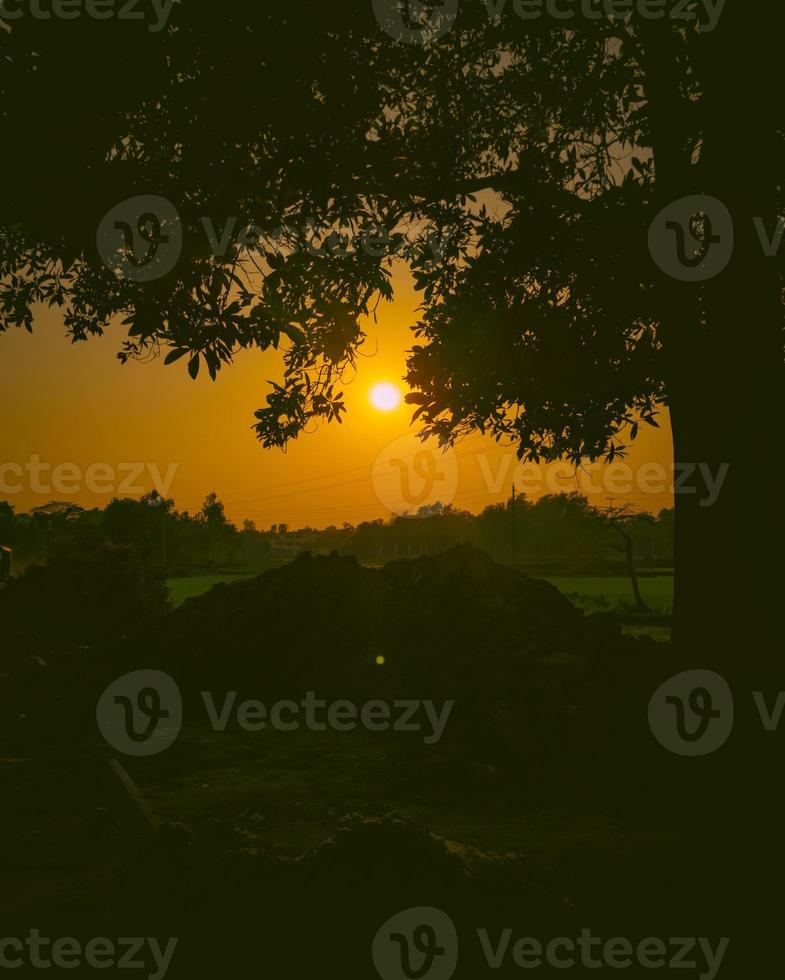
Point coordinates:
pixel 633 574
pixel 726 381
pixel 724 356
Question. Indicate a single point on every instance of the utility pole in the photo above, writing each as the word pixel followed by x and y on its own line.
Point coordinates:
pixel 163 532
pixel 514 530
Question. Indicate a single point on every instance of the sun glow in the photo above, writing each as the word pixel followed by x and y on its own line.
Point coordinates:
pixel 386 397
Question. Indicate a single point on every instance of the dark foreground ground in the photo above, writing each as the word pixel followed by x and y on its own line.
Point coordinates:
pixel 546 807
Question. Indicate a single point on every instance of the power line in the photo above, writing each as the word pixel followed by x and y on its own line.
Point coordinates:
pixel 367 469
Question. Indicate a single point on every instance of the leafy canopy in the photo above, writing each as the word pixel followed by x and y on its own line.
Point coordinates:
pixel 518 147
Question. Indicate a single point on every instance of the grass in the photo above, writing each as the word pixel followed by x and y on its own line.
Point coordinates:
pixel 597 593
pixel 589 592
pixel 662 634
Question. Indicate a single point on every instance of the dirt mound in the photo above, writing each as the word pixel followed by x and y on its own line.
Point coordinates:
pixel 527 674
pixel 329 622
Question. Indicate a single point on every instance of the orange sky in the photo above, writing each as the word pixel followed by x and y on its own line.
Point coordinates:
pixel 77 408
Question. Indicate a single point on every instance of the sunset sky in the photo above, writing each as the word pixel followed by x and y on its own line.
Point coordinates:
pixel 77 405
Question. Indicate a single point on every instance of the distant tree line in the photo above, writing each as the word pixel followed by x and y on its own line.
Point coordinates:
pixel 98 573
pixel 560 531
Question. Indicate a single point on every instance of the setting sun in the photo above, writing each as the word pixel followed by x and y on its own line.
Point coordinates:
pixel 385 397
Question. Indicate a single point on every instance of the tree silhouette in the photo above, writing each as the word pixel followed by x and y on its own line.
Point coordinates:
pixel 220 532
pixel 619 519
pixel 515 165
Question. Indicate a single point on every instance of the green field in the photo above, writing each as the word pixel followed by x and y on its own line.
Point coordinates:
pixel 597 593
pixel 589 592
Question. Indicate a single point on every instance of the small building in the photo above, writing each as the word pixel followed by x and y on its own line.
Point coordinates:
pixel 397 549
pixel 286 545
pixel 5 564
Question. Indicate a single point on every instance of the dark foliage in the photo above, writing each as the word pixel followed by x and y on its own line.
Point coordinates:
pixel 79 597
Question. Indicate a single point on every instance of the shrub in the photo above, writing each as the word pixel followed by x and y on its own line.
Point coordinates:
pixel 79 597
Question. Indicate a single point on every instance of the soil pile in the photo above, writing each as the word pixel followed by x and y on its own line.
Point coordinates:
pixel 442 621
pixel 531 679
